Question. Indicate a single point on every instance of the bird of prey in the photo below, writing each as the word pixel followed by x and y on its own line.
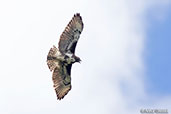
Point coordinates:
pixel 60 60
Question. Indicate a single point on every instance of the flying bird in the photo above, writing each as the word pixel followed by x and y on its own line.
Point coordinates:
pixel 60 60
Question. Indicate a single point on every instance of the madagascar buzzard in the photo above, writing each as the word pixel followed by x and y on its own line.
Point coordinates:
pixel 60 60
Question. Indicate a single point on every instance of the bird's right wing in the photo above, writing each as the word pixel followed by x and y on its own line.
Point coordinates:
pixel 71 34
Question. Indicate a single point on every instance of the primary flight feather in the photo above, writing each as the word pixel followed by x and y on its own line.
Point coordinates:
pixel 60 60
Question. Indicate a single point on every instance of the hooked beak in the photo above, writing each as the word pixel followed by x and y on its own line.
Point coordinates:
pixel 77 59
pixel 80 61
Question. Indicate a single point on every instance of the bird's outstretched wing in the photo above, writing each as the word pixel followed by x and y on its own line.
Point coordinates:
pixel 71 34
pixel 62 81
pixel 61 72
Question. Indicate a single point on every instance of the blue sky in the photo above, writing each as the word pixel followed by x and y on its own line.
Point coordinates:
pixel 158 56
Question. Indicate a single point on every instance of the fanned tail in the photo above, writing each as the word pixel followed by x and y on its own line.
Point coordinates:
pixel 52 64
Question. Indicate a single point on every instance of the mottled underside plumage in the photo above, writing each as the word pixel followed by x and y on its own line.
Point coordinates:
pixel 57 59
pixel 71 34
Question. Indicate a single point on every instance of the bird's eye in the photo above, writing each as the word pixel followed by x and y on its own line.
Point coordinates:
pixel 66 57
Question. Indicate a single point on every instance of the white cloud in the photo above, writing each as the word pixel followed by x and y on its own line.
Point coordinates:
pixel 109 79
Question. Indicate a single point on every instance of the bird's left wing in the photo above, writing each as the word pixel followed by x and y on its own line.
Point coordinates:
pixel 71 34
pixel 61 76
pixel 61 80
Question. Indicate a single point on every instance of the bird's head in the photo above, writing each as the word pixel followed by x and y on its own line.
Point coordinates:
pixel 77 59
